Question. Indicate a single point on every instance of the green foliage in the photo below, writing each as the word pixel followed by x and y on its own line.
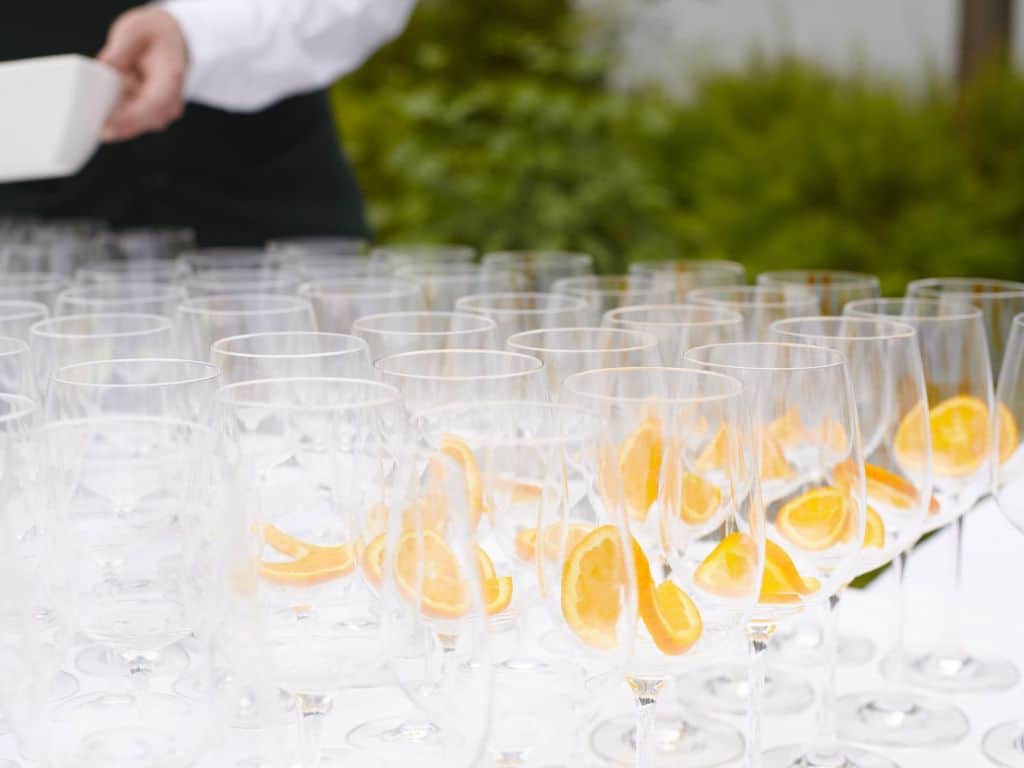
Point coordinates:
pixel 490 124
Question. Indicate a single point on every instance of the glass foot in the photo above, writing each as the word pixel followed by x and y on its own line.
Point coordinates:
pixel 950 673
pixel 840 756
pixel 794 645
pixel 98 661
pixel 724 690
pixel 1004 745
pixel 885 719
pixel 693 743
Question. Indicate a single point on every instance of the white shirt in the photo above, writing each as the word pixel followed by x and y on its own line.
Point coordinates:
pixel 246 54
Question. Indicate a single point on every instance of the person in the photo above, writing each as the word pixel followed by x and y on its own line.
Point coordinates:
pixel 224 123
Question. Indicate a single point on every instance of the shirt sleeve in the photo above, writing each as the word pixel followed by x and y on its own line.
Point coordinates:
pixel 246 54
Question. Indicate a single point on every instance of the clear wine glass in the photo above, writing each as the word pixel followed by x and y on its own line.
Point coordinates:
pixel 443 284
pixel 565 351
pixel 292 250
pixel 687 274
pixel 833 287
pixel 313 267
pixel 33 286
pixel 688 516
pixel 217 282
pixel 62 341
pixel 394 255
pixel 759 305
pixel 290 354
pixel 678 327
pixel 135 271
pixel 958 376
pixel 516 312
pixel 137 298
pixel 17 317
pixel 1004 744
pixel 437 377
pixel 16 368
pixel 394 332
pixel 811 467
pixel 539 269
pixel 604 292
pixel 202 260
pixel 337 302
pixel 146 244
pixel 310 459
pixel 202 321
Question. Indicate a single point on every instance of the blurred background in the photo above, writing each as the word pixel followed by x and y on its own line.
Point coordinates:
pixel 882 136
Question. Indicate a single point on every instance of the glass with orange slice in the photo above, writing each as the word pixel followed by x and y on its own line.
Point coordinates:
pixel 805 434
pixel 310 459
pixel 887 373
pixel 1004 743
pixel 760 305
pixel 696 532
pixel 678 327
pixel 965 426
pixel 523 463
pixel 833 287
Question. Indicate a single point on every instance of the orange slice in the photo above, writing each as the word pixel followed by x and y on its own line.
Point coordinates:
pixel 442 591
pixel 774 465
pixel 883 486
pixel 671 617
pixel 700 499
pixel 1009 434
pixel 459 450
pixel 816 519
pixel 517 491
pixel 874 530
pixel 311 564
pixel 782 582
pixel 640 467
pixel 730 569
pixel 788 429
pixel 960 435
pixel 715 452
pixel 373 558
pixel 592 582
pixel 526 540
pixel 498 594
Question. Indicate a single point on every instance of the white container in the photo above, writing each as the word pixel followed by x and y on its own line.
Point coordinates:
pixel 52 111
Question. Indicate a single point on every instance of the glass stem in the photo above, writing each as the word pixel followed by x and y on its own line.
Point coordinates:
pixel 757 637
pixel 645 694
pixel 313 710
pixel 899 646
pixel 951 645
pixel 826 741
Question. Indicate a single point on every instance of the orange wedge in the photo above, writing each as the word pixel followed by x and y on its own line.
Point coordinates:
pixel 730 570
pixel 782 581
pixel 311 564
pixel 774 465
pixel 526 540
pixel 816 519
pixel 459 450
pixel 517 491
pixel 715 452
pixel 592 582
pixel 883 487
pixel 671 617
pixel 960 435
pixel 874 530
pixel 640 467
pixel 1009 434
pixel 443 593
pixel 373 558
pixel 788 429
pixel 498 594
pixel 700 499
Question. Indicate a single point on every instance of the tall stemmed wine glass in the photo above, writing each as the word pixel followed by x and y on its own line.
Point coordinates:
pixel 136 298
pixel 130 271
pixel 678 327
pixel 759 305
pixel 444 284
pixel 539 269
pixel 392 333
pixel 337 302
pixel 811 468
pixel 516 312
pixel 202 321
pixel 604 292
pixel 290 354
pixel 682 459
pixel 688 274
pixel 833 287
pixel 221 282
pixel 391 256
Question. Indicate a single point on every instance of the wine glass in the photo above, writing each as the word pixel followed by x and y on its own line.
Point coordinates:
pixel 131 271
pixel 33 286
pixel 516 312
pixel 697 529
pixel 958 377
pixel 290 354
pixel 565 351
pixel 678 327
pixel 539 269
pixel 524 463
pixel 151 244
pixel 443 284
pixel 604 292
pixel 309 460
pixel 202 321
pixel 688 274
pixel 137 298
pixel 202 260
pixel 885 368
pixel 436 377
pixel 220 282
pixel 833 287
pixel 811 467
pixel 135 553
pixel 1004 744
pixel 395 255
pixel 16 368
pixel 393 332
pixel 17 317
pixel 337 302
pixel 313 267
pixel 62 341
pixel 291 250
pixel 759 305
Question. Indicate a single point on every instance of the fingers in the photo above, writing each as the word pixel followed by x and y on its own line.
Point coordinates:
pixel 152 106
pixel 127 40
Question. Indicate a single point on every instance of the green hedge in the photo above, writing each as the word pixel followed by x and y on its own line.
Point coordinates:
pixel 485 124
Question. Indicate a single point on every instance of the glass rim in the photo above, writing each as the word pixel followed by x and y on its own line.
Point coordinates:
pixel 672 265
pixel 729 316
pixel 129 265
pixel 328 287
pixel 23 279
pixel 967 312
pixel 537 254
pixel 788 297
pixel 452 271
pixel 389 394
pixel 642 340
pixel 732 385
pixel 535 365
pixel 158 323
pixel 419 249
pixel 837 358
pixel 24 406
pixel 285 304
pixel 212 373
pixel 31 309
pixel 359 346
pixel 570 284
pixel 488 406
pixel 14 346
pixel 153 291
pixel 575 303
pixel 1001 287
pixel 844 279
pixel 487 324
pixel 58 425
pixel 899 330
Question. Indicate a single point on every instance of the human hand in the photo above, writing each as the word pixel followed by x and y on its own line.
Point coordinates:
pixel 147 47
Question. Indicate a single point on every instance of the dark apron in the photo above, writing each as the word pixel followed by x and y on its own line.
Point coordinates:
pixel 237 179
